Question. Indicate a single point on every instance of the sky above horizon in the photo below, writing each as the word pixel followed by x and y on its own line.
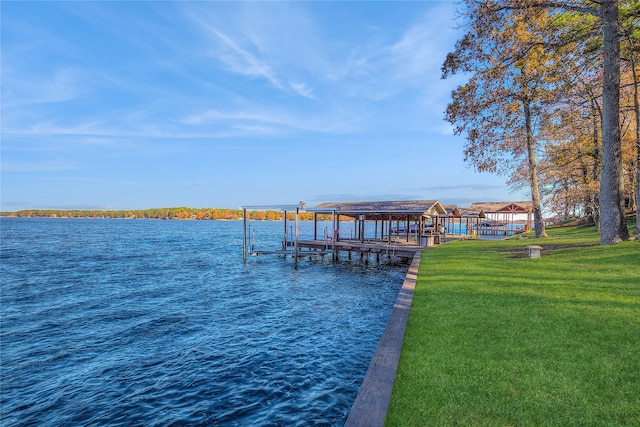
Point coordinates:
pixel 135 105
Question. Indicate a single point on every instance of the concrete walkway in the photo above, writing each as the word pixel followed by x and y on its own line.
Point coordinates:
pixel 372 402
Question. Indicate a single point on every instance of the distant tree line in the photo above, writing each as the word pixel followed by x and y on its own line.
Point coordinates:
pixel 165 213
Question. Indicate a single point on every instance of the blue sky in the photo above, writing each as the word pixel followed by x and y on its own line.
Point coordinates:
pixel 133 105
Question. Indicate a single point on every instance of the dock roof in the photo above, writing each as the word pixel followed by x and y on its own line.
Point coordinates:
pixel 502 207
pixel 470 213
pixel 285 208
pixel 452 211
pixel 382 209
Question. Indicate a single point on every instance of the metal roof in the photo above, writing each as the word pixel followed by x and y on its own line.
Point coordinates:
pixel 502 207
pixel 379 208
pixel 302 206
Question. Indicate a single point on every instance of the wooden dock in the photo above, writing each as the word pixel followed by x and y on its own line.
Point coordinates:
pixel 396 228
pixel 389 249
pixel 323 247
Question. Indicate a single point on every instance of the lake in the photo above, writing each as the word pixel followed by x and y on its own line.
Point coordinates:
pixel 148 322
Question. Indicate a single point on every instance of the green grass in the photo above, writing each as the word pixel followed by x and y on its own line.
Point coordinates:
pixel 498 339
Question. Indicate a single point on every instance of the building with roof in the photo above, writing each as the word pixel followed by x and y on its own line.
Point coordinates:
pixel 506 216
pixel 407 225
pixel 389 217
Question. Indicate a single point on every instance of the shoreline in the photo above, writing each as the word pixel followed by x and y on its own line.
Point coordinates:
pixel 372 401
pixel 154 219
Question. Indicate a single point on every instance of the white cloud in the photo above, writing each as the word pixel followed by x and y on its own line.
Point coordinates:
pixel 379 69
pixel 361 197
pixel 62 84
pixel 303 90
pixel 418 55
pixel 239 59
pixel 65 84
pixel 253 42
pixel 274 120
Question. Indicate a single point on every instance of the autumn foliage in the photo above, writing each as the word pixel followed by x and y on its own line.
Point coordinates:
pixel 167 213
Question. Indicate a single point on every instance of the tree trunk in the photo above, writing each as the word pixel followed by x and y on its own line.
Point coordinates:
pixel 637 229
pixel 533 173
pixel 636 110
pixel 596 114
pixel 613 225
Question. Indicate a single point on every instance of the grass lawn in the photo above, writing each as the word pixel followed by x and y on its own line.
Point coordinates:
pixel 498 339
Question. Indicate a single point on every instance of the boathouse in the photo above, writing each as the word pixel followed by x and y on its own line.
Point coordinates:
pixel 409 218
pixel 395 228
pixel 503 217
pixel 402 227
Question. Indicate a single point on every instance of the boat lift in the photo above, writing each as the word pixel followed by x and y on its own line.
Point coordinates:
pixel 285 244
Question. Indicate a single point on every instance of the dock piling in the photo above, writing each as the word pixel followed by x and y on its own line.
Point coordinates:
pixel 295 246
pixel 244 235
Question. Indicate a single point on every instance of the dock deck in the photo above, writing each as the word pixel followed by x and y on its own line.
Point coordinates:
pixel 394 248
pixel 391 228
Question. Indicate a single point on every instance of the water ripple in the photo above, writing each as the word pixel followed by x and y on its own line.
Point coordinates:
pixel 110 322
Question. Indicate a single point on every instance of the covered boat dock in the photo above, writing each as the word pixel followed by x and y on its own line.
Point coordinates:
pixel 393 228
pixel 503 218
pixel 398 227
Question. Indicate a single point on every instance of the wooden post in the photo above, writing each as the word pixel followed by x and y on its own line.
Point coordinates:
pixel 244 234
pixel 408 229
pixel 295 244
pixel 315 226
pixel 284 239
pixel 334 255
pixel 389 229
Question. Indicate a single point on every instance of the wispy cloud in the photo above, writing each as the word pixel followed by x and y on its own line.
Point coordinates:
pixel 65 83
pixel 465 187
pixel 243 43
pixel 280 45
pixel 302 89
pixel 380 69
pixel 418 55
pixel 274 120
pixel 360 197
pixel 38 166
pixel 240 60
